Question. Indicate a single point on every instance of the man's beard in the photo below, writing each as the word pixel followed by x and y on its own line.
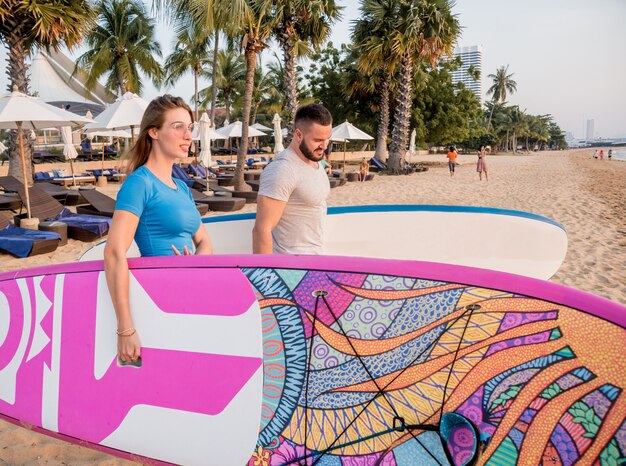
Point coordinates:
pixel 309 154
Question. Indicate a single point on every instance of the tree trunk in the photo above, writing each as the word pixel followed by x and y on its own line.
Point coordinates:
pixel 400 135
pixel 242 153
pixel 214 77
pixel 17 72
pixel 195 92
pixel 121 83
pixel 507 141
pixel 514 141
pixel 256 110
pixel 383 122
pixel 287 42
pixel 493 105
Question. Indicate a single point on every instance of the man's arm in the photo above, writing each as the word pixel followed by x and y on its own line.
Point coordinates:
pixel 268 214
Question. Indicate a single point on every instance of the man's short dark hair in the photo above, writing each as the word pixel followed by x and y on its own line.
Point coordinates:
pixel 313 113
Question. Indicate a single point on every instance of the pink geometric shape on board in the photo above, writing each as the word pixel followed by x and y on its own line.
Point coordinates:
pixel 92 409
pixel 12 293
pixel 196 292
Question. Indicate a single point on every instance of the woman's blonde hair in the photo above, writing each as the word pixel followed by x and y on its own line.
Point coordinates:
pixel 153 117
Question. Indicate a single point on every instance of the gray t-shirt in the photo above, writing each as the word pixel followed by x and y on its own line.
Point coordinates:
pixel 300 230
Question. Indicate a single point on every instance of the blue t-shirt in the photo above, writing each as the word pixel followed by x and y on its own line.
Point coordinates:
pixel 167 216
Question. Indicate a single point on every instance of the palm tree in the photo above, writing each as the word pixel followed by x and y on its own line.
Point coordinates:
pixel 254 28
pixel 209 17
pixel 299 25
pixel 502 83
pixel 230 76
pixel 191 53
pixel 37 23
pixel 121 46
pixel 425 29
pixel 373 40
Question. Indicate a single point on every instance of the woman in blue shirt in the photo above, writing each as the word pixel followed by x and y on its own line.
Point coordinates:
pixel 154 209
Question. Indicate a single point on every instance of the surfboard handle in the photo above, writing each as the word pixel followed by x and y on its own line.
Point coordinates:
pixel 400 425
pixel 136 364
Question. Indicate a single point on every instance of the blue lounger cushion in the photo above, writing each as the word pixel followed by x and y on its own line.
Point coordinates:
pixel 178 172
pixel 19 241
pixel 92 223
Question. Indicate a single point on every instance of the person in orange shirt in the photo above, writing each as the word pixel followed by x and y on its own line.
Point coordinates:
pixel 452 155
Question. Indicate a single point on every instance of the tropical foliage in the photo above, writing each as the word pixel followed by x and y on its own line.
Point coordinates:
pixel 394 76
pixel 25 25
pixel 122 46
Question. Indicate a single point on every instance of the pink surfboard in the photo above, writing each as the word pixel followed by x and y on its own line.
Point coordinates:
pixel 277 360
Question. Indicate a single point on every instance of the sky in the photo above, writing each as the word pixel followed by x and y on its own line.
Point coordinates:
pixel 567 56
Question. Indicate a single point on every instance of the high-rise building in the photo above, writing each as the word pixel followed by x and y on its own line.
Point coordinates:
pixel 470 56
pixel 590 124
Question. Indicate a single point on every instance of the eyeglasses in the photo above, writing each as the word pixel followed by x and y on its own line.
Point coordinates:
pixel 181 129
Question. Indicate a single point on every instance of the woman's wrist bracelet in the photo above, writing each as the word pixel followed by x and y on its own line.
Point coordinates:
pixel 124 333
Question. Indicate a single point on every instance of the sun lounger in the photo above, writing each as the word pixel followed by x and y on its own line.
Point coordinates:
pixel 10 202
pixel 219 203
pixel 109 173
pixel 69 180
pixel 377 165
pixel 46 208
pixel 102 205
pixel 20 242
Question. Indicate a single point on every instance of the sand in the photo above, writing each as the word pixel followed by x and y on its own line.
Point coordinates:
pixel 586 196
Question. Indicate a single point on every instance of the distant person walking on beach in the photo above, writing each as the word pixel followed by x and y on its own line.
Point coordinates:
pixel 452 155
pixel 601 154
pixel 152 208
pixel 364 169
pixel 595 154
pixel 328 168
pixel 481 164
pixel 291 204
pixel 610 154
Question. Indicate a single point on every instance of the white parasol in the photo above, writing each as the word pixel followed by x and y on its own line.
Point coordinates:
pixel 412 144
pixel 69 151
pixel 278 135
pixel 125 112
pixel 347 132
pixel 20 111
pixel 261 127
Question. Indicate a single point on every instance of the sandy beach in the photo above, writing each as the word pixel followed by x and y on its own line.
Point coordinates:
pixel 586 196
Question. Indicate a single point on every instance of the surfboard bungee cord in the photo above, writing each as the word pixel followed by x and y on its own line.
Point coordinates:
pixel 399 424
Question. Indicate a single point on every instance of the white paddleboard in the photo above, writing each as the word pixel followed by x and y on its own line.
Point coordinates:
pixel 497 239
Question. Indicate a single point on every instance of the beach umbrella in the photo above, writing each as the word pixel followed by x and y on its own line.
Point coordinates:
pixel 20 111
pixel 234 130
pixel 125 112
pixel 110 133
pixel 412 144
pixel 347 132
pixel 69 151
pixel 205 143
pixel 278 135
pixel 261 127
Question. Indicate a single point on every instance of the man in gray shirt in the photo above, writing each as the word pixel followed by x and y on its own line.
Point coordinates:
pixel 291 205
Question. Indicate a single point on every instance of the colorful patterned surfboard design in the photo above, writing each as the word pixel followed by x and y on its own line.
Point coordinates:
pixel 542 382
pixel 317 360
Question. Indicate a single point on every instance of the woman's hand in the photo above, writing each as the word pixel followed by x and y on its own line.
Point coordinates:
pixel 186 251
pixel 129 347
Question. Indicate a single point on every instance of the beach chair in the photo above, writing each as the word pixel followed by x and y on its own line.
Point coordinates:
pixel 21 243
pixel 219 203
pixel 46 208
pixel 376 165
pixel 178 172
pixel 10 202
pixel 102 205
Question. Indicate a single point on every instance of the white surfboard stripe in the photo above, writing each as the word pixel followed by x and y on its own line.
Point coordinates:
pixel 184 332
